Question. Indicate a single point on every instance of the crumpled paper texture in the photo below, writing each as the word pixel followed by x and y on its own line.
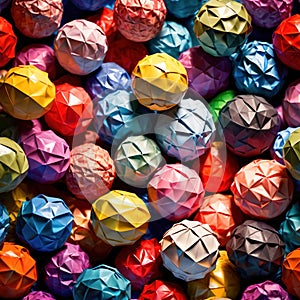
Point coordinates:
pixel 140 263
pixel 139 20
pixel 4 222
pixel 71 112
pixel 39 55
pixel 221 26
pixel 221 214
pixel 91 172
pixel 120 218
pixel 159 81
pixel 286 42
pixel 8 42
pixel 189 250
pixel 44 223
pixel 26 92
pixel 265 290
pixel 80 47
pixel 64 268
pixel 257 70
pixel 208 75
pixel 136 159
pixel 187 131
pixel 291 104
pixel 102 282
pixel 18 271
pixel 48 156
pixel 183 8
pixel 13 165
pixel 263 189
pixel 256 249
pixel 38 295
pixel 37 18
pixel 250 125
pixel 222 282
pixel 175 192
pixel 89 5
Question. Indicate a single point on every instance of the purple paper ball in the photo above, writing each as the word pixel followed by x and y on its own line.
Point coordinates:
pixel 38 295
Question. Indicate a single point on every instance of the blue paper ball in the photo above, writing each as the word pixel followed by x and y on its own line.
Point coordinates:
pixel 109 78
pixel 257 70
pixel 183 8
pixel 44 223
pixel 89 5
pixel 4 222
pixel 173 39
pixel 102 282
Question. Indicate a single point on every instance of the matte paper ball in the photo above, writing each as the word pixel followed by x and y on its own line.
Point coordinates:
pixel 120 218
pixel 250 125
pixel 102 282
pixel 221 214
pixel 286 42
pixel 37 18
pixel 222 26
pixel 26 92
pixel 44 223
pixel 257 70
pixel 35 295
pixel 263 189
pixel 18 272
pixel 80 47
pixel 139 21
pixel 4 222
pixel 140 263
pixel 208 75
pixel 89 5
pixel 176 192
pixel 189 250
pixel 183 8
pixel 48 156
pixel 291 104
pixel 64 268
pixel 91 172
pixel 256 249
pixel 8 42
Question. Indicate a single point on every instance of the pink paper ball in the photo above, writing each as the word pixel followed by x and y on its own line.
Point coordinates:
pixel 38 295
pixel 291 104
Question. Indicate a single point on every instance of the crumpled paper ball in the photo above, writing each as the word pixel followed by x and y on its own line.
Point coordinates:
pixel 18 271
pixel 140 263
pixel 80 47
pixel 208 75
pixel 159 81
pixel 223 281
pixel 91 172
pixel 48 156
pixel 257 70
pixel 162 290
pixel 8 42
pixel 37 18
pixel 189 250
pixel 39 55
pixel 291 104
pixel 136 159
pixel 263 189
pixel 115 220
pixel 265 290
pixel 102 282
pixel 38 295
pixel 71 112
pixel 173 39
pixel 187 131
pixel 256 249
pixel 139 21
pixel 64 268
pixel 175 192
pixel 13 165
pixel 221 26
pixel 183 8
pixel 286 42
pixel 250 125
pixel 221 214
pixel 44 223
pixel 4 222
pixel 26 92
pixel 89 5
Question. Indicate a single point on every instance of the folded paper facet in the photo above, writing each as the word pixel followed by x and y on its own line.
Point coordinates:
pixel 291 104
pixel 4 222
pixel 183 8
pixel 38 295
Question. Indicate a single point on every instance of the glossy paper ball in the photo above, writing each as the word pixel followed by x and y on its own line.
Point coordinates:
pixel 89 5
pixel 189 250
pixel 183 8
pixel 44 223
pixel 26 92
pixel 80 47
pixel 37 18
pixel 221 26
pixel 4 222
pixel 114 218
pixel 139 21
pixel 291 104
pixel 38 295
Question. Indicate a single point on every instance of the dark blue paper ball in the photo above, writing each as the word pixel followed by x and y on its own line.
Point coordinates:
pixel 4 222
